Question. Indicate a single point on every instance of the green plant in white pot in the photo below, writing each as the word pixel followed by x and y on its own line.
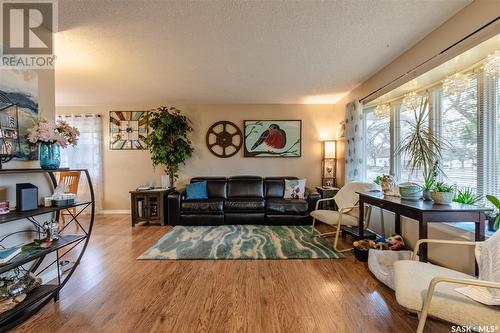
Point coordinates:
pixel 168 140
pixel 443 194
pixel 421 148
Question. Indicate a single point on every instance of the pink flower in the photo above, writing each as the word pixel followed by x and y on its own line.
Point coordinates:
pixel 59 132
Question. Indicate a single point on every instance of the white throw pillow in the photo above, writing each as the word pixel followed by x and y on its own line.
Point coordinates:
pixel 295 189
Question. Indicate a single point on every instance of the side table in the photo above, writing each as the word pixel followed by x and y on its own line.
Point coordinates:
pixel 150 206
pixel 327 192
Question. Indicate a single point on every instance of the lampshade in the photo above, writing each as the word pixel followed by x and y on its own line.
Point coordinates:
pixel 330 149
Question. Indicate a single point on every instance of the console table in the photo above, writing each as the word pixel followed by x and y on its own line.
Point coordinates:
pixel 424 212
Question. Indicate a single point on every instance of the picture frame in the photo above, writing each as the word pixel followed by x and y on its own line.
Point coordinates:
pixel 272 138
pixel 128 130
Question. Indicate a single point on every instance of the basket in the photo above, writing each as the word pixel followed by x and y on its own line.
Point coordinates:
pixel 361 254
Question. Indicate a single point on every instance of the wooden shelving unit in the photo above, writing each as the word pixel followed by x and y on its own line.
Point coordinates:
pixel 34 258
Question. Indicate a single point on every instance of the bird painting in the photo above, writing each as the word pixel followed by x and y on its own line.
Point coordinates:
pixel 274 137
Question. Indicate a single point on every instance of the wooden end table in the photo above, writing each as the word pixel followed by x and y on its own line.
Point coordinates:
pixel 150 206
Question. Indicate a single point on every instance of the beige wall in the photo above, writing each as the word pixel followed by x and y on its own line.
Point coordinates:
pixel 125 170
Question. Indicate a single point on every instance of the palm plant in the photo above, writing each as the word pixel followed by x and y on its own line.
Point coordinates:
pixel 496 214
pixel 420 145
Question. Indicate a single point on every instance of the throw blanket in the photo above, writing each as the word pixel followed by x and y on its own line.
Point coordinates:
pixel 488 260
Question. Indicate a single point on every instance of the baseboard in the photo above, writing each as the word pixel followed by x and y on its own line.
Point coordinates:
pixel 114 212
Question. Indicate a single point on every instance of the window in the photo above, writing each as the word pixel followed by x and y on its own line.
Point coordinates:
pixel 467 124
pixel 457 119
pixel 377 148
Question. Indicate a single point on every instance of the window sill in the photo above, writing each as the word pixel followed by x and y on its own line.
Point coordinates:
pixel 469 227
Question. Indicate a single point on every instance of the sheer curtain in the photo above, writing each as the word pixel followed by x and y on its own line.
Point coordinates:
pixel 354 142
pixel 87 154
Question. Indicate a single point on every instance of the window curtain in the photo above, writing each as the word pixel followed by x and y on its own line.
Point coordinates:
pixel 354 142
pixel 87 154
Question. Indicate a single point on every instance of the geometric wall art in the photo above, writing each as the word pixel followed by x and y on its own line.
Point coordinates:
pixel 128 130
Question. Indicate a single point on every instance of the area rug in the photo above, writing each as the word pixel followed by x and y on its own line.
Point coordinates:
pixel 241 242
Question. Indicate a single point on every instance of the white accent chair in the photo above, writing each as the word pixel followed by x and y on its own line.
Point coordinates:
pixel 432 290
pixel 348 210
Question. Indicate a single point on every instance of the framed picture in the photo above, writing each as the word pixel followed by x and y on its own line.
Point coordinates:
pixel 128 130
pixel 273 138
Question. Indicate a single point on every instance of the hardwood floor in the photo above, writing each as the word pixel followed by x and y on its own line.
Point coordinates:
pixel 111 291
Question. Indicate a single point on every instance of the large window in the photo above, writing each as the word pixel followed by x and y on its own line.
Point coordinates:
pixel 377 148
pixel 467 124
pixel 457 119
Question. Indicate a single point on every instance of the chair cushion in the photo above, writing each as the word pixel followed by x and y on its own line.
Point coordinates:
pixel 197 190
pixel 411 281
pixel 250 205
pixel 331 217
pixel 204 206
pixel 286 206
pixel 347 196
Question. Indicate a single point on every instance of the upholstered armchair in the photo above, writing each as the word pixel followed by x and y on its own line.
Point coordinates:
pixel 449 295
pixel 348 210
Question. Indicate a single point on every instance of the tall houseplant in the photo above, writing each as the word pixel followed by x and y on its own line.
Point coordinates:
pixel 420 145
pixel 168 140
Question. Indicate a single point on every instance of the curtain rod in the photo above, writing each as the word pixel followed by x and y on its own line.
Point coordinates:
pixel 430 59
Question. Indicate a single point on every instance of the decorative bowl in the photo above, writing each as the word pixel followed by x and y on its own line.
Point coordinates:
pixel 442 198
pixel 410 191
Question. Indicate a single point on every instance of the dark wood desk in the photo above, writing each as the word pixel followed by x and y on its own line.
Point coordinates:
pixel 424 212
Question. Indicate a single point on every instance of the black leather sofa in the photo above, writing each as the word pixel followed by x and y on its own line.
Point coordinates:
pixel 241 200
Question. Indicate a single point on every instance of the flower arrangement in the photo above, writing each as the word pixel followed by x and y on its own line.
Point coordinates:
pixel 59 132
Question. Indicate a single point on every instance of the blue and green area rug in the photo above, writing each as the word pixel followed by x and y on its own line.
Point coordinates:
pixel 241 242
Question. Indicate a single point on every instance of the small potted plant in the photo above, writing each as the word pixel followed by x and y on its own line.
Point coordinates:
pixel 494 217
pixel 442 194
pixel 467 196
pixel 430 181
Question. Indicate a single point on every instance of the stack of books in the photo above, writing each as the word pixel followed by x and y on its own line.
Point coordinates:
pixel 8 254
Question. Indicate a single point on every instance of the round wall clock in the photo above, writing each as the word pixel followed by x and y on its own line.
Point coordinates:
pixel 224 139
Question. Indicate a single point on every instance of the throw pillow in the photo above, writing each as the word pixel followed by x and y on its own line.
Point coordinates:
pixel 295 189
pixel 197 190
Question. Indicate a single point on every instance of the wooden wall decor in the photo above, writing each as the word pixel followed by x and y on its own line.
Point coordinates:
pixel 224 139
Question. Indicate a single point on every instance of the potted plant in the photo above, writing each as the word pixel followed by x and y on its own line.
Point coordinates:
pixel 442 194
pixel 467 196
pixel 168 140
pixel 52 135
pixel 422 149
pixel 429 181
pixel 494 217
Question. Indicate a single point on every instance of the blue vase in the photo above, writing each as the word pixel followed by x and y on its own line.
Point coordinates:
pixel 50 156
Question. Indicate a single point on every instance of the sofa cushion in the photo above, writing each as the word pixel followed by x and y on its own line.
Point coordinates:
pixel 206 206
pixel 245 187
pixel 295 189
pixel 244 205
pixel 216 186
pixel 274 187
pixel 286 206
pixel 197 190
